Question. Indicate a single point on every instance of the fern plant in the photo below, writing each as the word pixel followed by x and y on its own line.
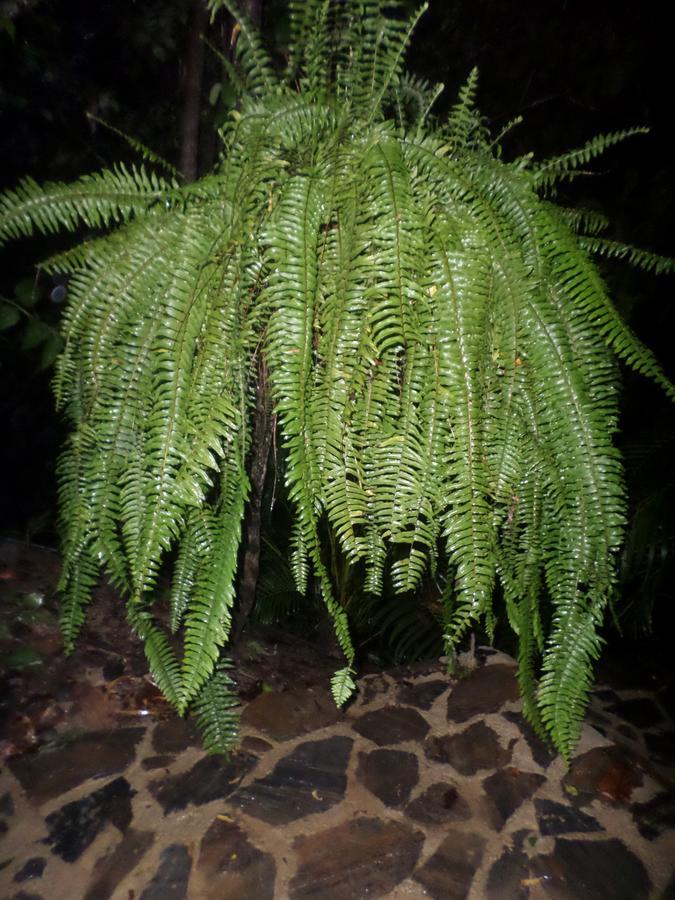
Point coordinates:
pixel 442 356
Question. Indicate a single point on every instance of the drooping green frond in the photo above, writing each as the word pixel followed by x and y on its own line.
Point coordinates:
pixel 586 222
pixel 642 259
pixel 583 286
pixel 215 711
pixel 442 358
pixel 342 685
pixel 98 200
pixel 209 613
pixel 162 661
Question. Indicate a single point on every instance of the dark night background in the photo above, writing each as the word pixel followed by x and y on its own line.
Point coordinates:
pixel 571 69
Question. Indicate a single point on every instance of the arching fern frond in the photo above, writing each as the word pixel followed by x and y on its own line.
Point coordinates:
pixel 559 167
pixel 253 59
pixel 442 358
pixel 641 259
pixel 98 200
pixel 215 711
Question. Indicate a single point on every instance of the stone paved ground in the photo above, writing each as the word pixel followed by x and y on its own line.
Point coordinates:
pixel 424 787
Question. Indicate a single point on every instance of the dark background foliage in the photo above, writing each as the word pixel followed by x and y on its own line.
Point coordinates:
pixel 571 69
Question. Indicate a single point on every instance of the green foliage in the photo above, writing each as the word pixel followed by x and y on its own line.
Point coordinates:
pixel 215 710
pixel 441 352
pixel 342 685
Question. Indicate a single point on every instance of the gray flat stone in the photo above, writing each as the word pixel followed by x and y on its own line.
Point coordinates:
pixel 508 876
pixel 6 804
pixel 363 857
pixel 310 779
pixel 230 867
pixel 392 725
pixel 595 870
pixel 475 748
pixel 170 881
pixel 371 687
pixel 641 712
pixel 557 818
pixel 482 691
pixel 111 868
pixel 542 754
pixel 448 874
pixel 576 869
pixel 388 774
pixel 54 771
pixel 655 816
pixel 507 789
pixel 422 695
pixel 32 868
pixel 288 714
pixel 212 778
pixel 175 735
pixel 607 773
pixel 150 763
pixel 440 804
pixel 73 827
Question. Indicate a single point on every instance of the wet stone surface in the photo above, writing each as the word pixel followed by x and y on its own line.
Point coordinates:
pixel 655 816
pixel 288 714
pixel 640 712
pixel 512 875
pixel 669 893
pixel 378 815
pixel 174 735
pixel 475 748
pixel 542 754
pixel 438 805
pixel 311 779
pixel 391 725
pixel 231 868
pixel 448 874
pixel 606 695
pixel 482 691
pixel 52 772
pixel 364 857
pixel 32 868
pixel 506 790
pixel 6 805
pixel 212 778
pixel 596 870
pixel 373 686
pixel 592 870
pixel 389 774
pixel 256 745
pixel 112 669
pixel 73 827
pixel 111 868
pixel 557 818
pixel 604 772
pixel 156 762
pixel 661 747
pixel 170 882
pixel 421 695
